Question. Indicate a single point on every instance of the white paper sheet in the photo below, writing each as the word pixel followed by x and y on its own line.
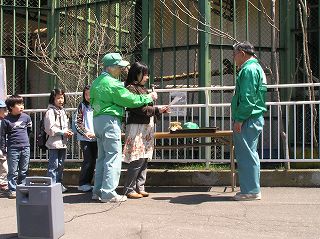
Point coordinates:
pixel 175 100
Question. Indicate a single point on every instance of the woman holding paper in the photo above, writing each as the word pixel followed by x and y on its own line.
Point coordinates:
pixel 139 141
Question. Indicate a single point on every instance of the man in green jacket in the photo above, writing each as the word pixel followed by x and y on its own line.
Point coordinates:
pixel 109 98
pixel 248 106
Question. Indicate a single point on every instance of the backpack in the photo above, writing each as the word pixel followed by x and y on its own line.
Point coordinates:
pixel 42 136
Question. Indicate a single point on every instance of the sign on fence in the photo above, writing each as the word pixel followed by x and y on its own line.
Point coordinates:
pixel 182 96
pixel 3 79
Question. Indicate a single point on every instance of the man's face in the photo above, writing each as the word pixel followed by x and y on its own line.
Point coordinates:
pixel 115 71
pixel 238 57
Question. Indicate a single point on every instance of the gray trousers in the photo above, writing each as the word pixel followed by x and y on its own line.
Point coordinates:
pixel 136 176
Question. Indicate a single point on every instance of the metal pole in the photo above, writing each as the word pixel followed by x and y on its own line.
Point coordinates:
pixel 145 31
pixel 205 64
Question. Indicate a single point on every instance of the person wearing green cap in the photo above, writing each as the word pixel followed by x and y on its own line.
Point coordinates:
pixel 248 106
pixel 108 98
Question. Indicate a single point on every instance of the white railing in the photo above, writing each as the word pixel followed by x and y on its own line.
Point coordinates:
pixel 294 118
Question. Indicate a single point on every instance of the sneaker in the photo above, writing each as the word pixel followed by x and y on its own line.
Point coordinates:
pixel 63 189
pixel 247 197
pixel 95 197
pixel 12 194
pixel 116 199
pixel 85 188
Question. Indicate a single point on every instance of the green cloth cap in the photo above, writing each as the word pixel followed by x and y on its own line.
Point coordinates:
pixel 190 125
pixel 114 59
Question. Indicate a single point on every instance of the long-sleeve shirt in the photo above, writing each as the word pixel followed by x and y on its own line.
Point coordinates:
pixel 249 98
pixel 141 115
pixel 15 130
pixel 108 96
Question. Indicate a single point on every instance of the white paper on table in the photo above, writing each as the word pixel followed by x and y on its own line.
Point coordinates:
pixel 175 100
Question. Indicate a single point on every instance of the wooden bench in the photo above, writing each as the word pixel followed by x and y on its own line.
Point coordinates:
pixel 217 138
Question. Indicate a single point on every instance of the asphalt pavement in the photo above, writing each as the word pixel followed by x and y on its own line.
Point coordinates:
pixel 185 212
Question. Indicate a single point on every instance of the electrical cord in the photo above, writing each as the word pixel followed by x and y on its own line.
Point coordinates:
pixel 116 205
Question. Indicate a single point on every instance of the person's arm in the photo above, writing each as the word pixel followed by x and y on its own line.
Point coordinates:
pixel 29 125
pixel 145 111
pixel 247 94
pixel 125 98
pixel 3 137
pixel 148 110
pixel 79 121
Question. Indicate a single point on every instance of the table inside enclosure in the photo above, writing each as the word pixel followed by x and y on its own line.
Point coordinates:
pixel 218 137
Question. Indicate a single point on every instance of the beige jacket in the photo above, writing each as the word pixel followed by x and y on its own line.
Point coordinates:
pixel 56 123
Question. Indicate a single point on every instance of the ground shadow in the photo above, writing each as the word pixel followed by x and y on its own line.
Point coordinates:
pixel 195 199
pixel 167 189
pixel 9 236
pixel 3 194
pixel 78 198
pixel 74 196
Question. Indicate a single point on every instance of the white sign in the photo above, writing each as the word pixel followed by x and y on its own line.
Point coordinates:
pixel 178 98
pixel 3 79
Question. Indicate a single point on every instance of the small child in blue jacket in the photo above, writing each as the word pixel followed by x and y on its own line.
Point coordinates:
pixel 15 130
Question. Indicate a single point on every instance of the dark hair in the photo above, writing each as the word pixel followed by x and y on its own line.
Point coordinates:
pixel 54 93
pixel 245 46
pixel 12 100
pixel 84 101
pixel 136 69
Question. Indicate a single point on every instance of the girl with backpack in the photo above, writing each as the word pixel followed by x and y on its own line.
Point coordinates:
pixel 88 142
pixel 56 125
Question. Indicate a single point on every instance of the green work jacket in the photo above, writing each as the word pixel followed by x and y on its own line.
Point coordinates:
pixel 108 96
pixel 249 97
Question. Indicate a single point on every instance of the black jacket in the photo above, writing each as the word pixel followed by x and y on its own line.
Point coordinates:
pixel 142 114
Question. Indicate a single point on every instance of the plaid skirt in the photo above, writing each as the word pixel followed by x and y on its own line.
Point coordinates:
pixel 139 141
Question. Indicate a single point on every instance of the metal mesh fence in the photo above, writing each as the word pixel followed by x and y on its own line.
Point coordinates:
pixel 82 31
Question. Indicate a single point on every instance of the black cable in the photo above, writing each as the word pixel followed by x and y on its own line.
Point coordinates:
pixel 94 213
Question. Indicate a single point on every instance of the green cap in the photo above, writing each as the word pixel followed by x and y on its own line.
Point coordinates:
pixel 190 125
pixel 114 59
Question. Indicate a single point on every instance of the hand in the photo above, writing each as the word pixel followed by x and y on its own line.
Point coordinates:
pixel 90 135
pixel 68 133
pixel 237 127
pixel 154 95
pixel 164 109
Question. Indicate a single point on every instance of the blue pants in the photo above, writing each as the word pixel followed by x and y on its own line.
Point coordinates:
pixel 18 164
pixel 56 164
pixel 245 144
pixel 107 129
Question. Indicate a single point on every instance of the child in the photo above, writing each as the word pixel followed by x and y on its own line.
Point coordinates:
pixel 56 126
pixel 139 141
pixel 3 161
pixel 88 141
pixel 15 130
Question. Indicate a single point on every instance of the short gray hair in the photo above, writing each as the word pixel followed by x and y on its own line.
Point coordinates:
pixel 245 46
